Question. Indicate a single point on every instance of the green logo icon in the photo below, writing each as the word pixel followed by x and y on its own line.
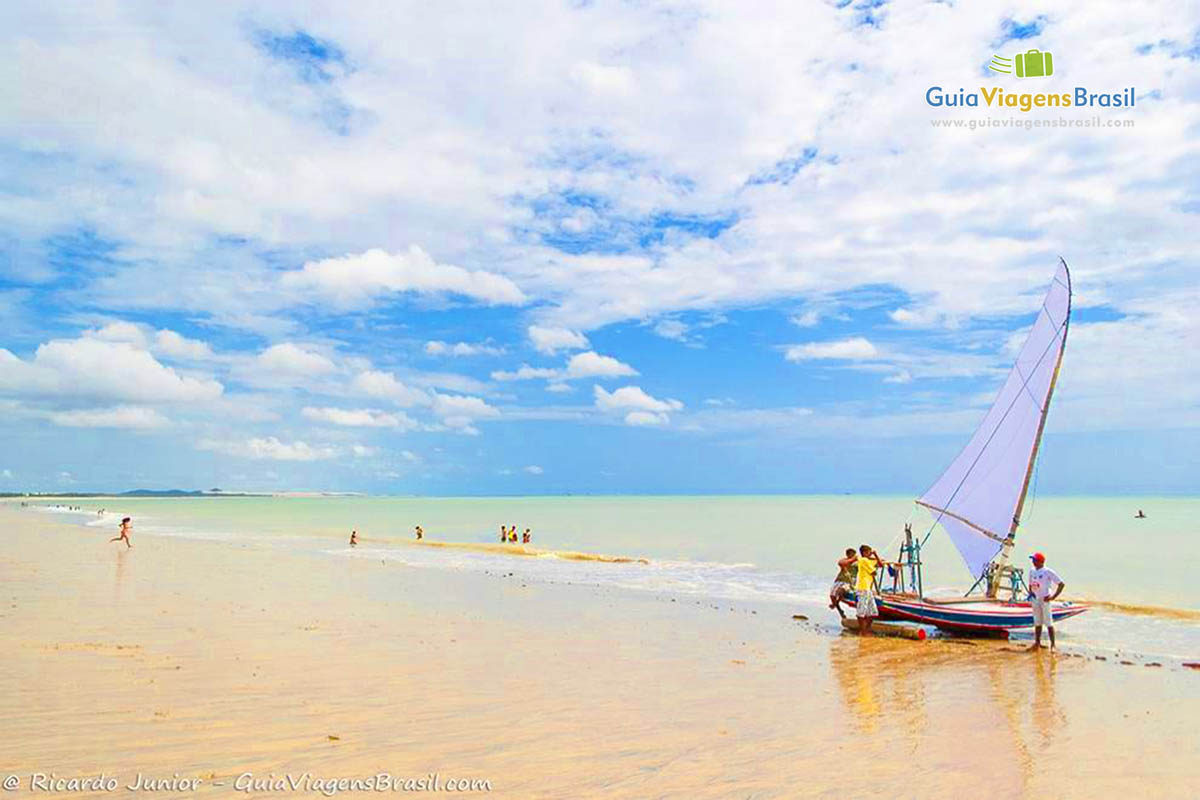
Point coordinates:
pixel 1030 64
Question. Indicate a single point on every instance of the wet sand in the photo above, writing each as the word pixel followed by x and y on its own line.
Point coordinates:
pixel 212 659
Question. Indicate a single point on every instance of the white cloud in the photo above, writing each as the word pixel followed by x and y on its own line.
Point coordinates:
pixel 632 397
pixel 6 474
pixel 120 331
pixel 550 340
pixel 384 386
pixel 642 409
pixel 131 417
pixel 853 349
pixel 806 319
pixel 165 342
pixel 173 345
pixel 594 365
pixel 364 451
pixel 99 369
pixel 580 365
pixel 671 329
pixel 354 280
pixel 360 417
pixel 533 469
pixel 526 372
pixel 646 418
pixel 436 348
pixel 449 405
pixel 290 359
pixel 460 412
pixel 269 448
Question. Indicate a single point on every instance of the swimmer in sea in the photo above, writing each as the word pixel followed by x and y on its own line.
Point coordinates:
pixel 126 527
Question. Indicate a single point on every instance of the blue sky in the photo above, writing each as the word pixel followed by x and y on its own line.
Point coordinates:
pixel 587 248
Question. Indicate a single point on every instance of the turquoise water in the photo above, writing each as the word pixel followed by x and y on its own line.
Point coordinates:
pixel 768 548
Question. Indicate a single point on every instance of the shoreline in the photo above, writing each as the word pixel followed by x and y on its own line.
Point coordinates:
pixel 212 659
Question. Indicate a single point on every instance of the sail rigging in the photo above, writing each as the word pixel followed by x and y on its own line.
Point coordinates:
pixel 978 500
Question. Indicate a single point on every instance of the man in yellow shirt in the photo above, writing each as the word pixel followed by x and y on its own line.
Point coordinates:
pixel 864 587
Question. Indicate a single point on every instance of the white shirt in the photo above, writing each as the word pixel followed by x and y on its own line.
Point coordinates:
pixel 1043 582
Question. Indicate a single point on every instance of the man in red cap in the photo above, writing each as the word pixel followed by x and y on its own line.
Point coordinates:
pixel 1044 587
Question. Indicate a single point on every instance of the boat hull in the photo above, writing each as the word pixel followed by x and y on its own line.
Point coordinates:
pixel 980 618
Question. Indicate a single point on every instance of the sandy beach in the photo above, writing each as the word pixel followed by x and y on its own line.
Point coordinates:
pixel 210 660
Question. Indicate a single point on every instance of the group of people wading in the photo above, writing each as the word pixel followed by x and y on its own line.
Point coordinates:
pixel 509 535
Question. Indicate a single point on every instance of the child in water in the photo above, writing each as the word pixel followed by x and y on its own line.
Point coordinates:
pixel 526 538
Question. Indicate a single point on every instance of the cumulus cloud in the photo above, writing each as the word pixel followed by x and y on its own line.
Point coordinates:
pixel 461 412
pixel 269 448
pixel 641 408
pixel 354 280
pixel 101 369
pixel 632 397
pixel 291 359
pixel 550 340
pixel 359 417
pixel 853 349
pixel 580 365
pixel 533 469
pixel 385 386
pixel 129 417
pixel 164 342
pixel 174 345
pixel 594 365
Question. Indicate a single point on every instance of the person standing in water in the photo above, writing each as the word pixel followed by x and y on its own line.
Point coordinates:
pixel 526 537
pixel 1044 587
pixel 420 533
pixel 503 534
pixel 126 528
pixel 353 538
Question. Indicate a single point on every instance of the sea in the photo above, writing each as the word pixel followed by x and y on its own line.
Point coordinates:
pixel 779 551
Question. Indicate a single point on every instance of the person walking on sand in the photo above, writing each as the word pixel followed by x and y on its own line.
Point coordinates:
pixel 126 527
pixel 1044 587
pixel 844 581
pixel 864 587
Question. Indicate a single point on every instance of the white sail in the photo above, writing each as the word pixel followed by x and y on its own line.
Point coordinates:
pixel 978 500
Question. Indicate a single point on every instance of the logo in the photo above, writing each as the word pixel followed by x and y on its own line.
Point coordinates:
pixel 1030 64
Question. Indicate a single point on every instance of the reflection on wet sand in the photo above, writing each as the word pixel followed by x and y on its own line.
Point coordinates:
pixel 973 707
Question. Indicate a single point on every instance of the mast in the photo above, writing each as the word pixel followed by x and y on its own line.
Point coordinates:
pixel 1000 563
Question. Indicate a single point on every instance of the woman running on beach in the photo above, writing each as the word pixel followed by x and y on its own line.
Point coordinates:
pixel 126 527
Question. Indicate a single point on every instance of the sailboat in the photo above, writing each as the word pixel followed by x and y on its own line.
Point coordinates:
pixel 979 499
